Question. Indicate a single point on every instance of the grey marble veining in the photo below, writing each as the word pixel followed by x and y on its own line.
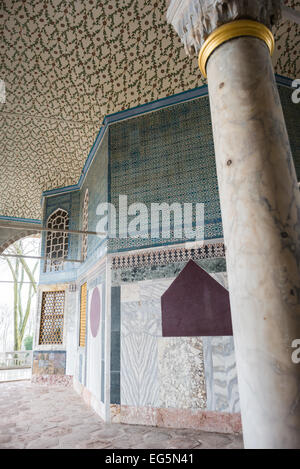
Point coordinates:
pixel 260 203
pixel 151 272
pixel 140 327
pixel 220 374
pixel 181 372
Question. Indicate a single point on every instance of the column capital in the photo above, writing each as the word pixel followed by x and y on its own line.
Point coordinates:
pixel 195 20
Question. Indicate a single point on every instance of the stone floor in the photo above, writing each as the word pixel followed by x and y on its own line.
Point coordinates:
pixel 35 416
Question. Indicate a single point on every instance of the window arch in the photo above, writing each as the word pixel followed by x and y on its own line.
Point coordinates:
pixel 57 242
pixel 85 222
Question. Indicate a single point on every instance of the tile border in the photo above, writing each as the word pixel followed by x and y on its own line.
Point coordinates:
pixel 167 255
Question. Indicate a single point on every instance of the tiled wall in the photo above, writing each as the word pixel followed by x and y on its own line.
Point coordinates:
pixel 49 363
pixel 166 156
pixel 70 203
pixel 291 115
pixel 162 156
pixel 96 182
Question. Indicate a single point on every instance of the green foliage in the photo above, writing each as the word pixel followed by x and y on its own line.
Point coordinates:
pixel 28 341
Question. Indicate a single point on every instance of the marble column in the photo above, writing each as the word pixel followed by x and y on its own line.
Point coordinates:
pixel 260 203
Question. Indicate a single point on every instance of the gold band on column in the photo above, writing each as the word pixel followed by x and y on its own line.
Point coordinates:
pixel 230 31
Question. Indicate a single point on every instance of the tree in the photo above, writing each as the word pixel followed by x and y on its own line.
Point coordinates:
pixel 28 341
pixel 5 327
pixel 23 274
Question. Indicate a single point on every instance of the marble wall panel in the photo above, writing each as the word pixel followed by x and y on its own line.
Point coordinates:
pixel 220 367
pixel 140 328
pixel 94 346
pixel 221 374
pixel 156 371
pixel 181 373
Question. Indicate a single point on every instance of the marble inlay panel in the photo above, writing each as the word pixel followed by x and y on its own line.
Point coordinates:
pixel 221 277
pixel 130 292
pixel 181 370
pixel 93 345
pixel 140 327
pixel 221 374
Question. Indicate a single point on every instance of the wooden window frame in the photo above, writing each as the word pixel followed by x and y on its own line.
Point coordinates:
pixel 83 311
pixel 54 316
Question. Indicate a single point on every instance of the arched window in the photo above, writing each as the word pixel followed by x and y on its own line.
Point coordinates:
pixel 85 222
pixel 57 242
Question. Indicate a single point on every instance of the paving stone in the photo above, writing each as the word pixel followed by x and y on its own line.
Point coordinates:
pixel 12 445
pixel 109 432
pixel 126 442
pixel 94 444
pixel 5 439
pixel 216 440
pixel 8 426
pixel 45 417
pixel 89 428
pixel 42 443
pixel 183 443
pixel 57 431
pixel 156 437
pixel 152 446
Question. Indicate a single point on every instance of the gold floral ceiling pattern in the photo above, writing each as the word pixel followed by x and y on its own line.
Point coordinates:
pixel 66 64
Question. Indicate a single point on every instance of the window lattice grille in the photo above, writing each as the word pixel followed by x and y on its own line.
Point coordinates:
pixel 57 242
pixel 83 297
pixel 52 318
pixel 85 214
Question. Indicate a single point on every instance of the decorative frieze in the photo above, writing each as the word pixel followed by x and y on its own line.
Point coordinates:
pixel 166 256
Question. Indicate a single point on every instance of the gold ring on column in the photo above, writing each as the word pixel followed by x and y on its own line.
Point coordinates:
pixel 233 30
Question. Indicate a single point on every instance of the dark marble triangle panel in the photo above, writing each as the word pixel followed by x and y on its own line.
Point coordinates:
pixel 195 304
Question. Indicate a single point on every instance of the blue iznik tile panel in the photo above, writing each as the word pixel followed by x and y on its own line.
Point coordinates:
pixel 69 202
pixel 96 182
pixel 166 156
pixel 291 113
pixel 49 363
pixel 162 156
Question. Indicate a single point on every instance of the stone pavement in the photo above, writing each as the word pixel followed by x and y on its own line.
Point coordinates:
pixel 36 417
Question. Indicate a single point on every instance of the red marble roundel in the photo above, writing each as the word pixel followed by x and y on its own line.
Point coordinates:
pixel 95 312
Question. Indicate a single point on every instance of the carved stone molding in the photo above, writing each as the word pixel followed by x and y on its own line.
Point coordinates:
pixel 166 256
pixel 195 20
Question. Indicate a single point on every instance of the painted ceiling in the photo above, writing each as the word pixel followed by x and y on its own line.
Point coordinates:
pixel 68 63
